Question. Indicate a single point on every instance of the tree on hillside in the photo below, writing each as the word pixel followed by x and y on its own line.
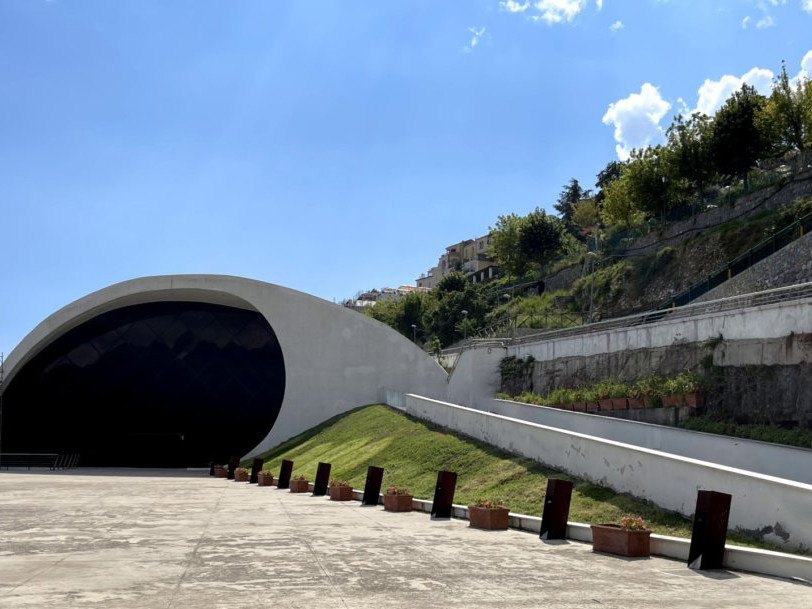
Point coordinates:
pixel 569 197
pixel 505 245
pixel 619 206
pixel 607 175
pixel 647 181
pixel 586 214
pixel 539 237
pixel 787 115
pixel 454 281
pixel 400 314
pixel 736 140
pixel 445 319
pixel 689 144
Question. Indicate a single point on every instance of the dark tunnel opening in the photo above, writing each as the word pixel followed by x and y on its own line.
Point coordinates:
pixel 165 384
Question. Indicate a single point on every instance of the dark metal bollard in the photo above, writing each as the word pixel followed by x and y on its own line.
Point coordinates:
pixel 556 509
pixel 211 468
pixel 284 474
pixel 444 494
pixel 372 488
pixel 233 463
pixel 710 530
pixel 256 467
pixel 322 479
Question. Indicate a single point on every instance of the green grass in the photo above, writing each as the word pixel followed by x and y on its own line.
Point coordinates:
pixel 412 451
pixel 766 433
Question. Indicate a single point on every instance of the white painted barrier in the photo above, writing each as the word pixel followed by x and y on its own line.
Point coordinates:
pixel 786 462
pixel 774 509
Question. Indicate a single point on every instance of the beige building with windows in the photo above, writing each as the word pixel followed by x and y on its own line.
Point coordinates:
pixel 471 257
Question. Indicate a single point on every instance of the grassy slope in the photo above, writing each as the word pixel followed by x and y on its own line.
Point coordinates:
pixel 412 451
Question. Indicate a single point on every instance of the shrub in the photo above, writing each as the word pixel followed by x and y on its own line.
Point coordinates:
pixel 490 503
pixel 631 522
pixel 400 491
pixel 336 482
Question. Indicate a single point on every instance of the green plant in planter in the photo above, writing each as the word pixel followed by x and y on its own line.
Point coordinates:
pixel 299 477
pixel 336 482
pixel 490 503
pixel 633 522
pixel 400 491
pixel 618 390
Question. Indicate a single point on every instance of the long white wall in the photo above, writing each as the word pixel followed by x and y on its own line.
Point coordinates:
pixel 776 460
pixel 760 502
pixel 775 320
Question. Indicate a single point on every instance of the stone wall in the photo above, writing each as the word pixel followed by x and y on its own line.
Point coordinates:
pixel 788 266
pixel 770 198
pixel 563 279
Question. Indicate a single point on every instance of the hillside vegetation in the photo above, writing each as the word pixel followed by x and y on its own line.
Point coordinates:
pixel 412 452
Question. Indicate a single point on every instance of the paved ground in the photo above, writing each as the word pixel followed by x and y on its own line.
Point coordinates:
pixel 114 541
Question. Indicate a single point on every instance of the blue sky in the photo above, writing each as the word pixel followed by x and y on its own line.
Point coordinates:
pixel 329 146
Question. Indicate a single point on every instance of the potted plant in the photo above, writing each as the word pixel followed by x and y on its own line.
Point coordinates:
pixel 628 538
pixel 635 396
pixel 241 475
pixel 604 399
pixel 672 392
pixel 397 499
pixel 617 392
pixel 340 490
pixel 220 471
pixel 298 484
pixel 651 388
pixel 265 478
pixel 692 390
pixel 489 514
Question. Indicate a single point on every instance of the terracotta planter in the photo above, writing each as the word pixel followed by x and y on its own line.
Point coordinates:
pixel 651 402
pixel 593 406
pixel 695 400
pixel 614 539
pixel 299 486
pixel 672 400
pixel 636 403
pixel 220 471
pixel 620 403
pixel 241 475
pixel 397 503
pixel 605 404
pixel 579 406
pixel 265 478
pixel 493 519
pixel 340 493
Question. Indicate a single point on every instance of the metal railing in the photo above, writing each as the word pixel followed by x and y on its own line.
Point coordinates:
pixel 52 461
pixel 766 248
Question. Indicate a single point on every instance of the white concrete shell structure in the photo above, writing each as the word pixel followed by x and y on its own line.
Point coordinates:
pixel 335 359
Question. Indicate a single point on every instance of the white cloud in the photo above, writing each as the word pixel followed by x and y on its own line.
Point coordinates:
pixel 713 93
pixel 477 34
pixel 511 6
pixel 617 25
pixel 806 62
pixel 746 21
pixel 765 22
pixel 599 4
pixel 556 11
pixel 636 119
pixel 807 5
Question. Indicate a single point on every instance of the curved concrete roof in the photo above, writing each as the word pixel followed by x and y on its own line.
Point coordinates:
pixel 335 359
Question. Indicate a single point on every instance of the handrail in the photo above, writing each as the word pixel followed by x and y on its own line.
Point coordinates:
pixel 741 263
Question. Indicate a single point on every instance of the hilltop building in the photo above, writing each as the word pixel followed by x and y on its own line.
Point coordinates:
pixel 471 257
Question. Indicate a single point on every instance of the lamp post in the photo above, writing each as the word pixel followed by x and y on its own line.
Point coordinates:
pixel 414 333
pixel 592 256
pixel 465 325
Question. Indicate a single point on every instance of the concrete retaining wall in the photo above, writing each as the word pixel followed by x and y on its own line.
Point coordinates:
pixel 786 462
pixel 788 266
pixel 771 508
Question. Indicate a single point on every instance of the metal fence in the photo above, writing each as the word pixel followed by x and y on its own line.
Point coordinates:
pixel 756 254
pixel 51 461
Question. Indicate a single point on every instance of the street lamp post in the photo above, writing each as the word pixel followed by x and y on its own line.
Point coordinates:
pixel 465 325
pixel 414 333
pixel 592 256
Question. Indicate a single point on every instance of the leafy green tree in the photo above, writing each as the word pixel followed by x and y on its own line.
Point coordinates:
pixel 539 237
pixel 454 281
pixel 586 213
pixel 787 116
pixel 646 179
pixel 505 245
pixel 737 142
pixel 569 197
pixel 689 144
pixel 401 313
pixel 605 177
pixel 445 318
pixel 620 206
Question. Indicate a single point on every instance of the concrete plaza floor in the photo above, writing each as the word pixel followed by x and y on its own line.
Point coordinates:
pixel 114 539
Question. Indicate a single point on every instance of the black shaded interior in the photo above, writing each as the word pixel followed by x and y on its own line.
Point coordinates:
pixel 168 384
